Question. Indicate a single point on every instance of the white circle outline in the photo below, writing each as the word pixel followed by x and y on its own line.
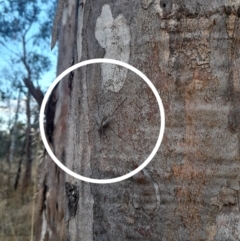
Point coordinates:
pixel 87 179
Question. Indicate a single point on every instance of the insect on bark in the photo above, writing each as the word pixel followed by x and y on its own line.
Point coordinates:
pixel 104 124
pixel 72 194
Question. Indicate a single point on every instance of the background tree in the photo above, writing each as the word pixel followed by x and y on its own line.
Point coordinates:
pixel 26 71
pixel 25 31
pixel 190 191
pixel 24 28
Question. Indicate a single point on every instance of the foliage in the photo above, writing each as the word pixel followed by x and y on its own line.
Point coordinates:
pixel 25 30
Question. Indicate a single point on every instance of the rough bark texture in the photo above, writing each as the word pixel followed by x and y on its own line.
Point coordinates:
pixel 190 190
pixel 51 199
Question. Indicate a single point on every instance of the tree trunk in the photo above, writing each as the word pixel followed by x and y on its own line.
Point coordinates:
pixel 28 170
pixel 190 190
pixel 20 165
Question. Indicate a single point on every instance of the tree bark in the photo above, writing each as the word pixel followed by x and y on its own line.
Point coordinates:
pixel 190 190
pixel 35 92
pixel 20 165
pixel 50 222
pixel 28 170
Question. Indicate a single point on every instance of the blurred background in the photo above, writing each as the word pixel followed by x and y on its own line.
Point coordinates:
pixel 28 66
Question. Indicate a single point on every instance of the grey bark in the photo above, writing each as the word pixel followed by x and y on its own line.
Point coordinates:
pixel 28 170
pixel 190 190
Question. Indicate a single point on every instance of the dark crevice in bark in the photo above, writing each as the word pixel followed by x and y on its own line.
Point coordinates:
pixel 44 195
pixel 50 114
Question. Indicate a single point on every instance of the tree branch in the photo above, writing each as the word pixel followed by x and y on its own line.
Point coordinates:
pixel 35 92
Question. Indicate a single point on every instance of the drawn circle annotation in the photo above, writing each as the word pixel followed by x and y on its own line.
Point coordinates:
pixel 161 131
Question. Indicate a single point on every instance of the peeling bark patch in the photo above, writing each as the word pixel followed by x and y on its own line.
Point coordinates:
pixel 80 28
pixel 44 226
pixel 225 197
pixel 56 23
pixel 158 9
pixel 165 8
pixel 146 194
pixel 70 7
pixel 156 187
pixel 72 196
pixel 146 3
pixel 230 21
pixel 114 36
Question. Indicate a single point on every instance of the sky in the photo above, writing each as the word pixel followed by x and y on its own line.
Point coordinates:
pixel 7 110
pixel 7 113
